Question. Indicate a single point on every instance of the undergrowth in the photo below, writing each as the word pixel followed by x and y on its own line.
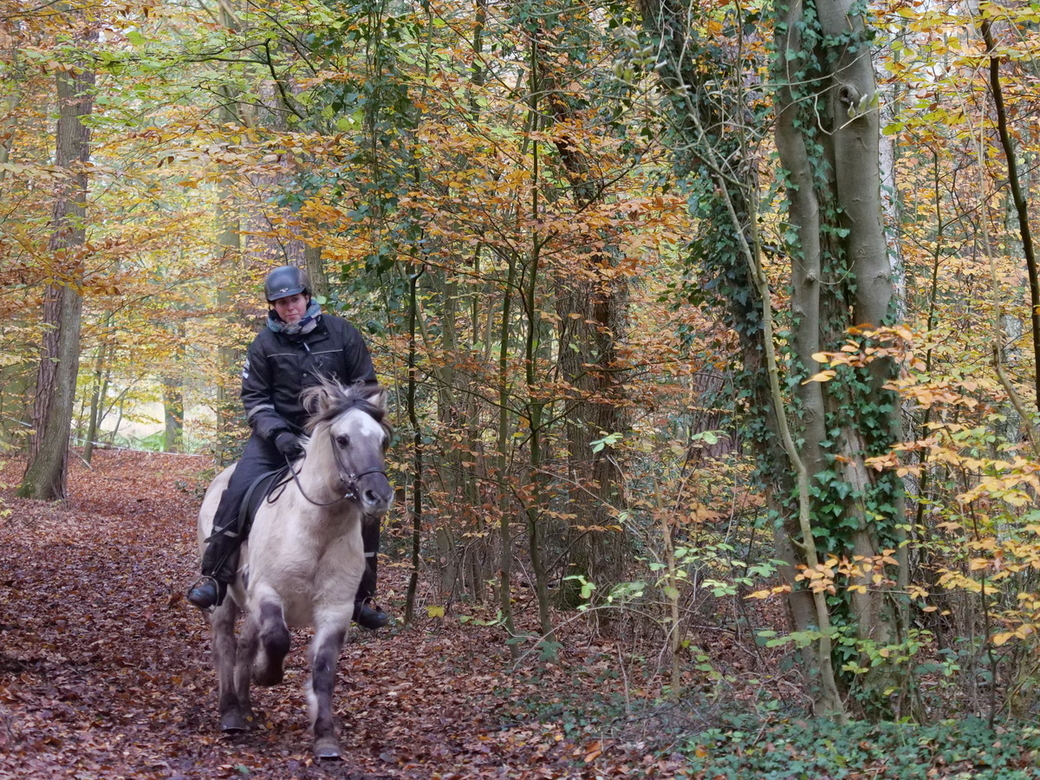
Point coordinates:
pixel 813 749
pixel 712 741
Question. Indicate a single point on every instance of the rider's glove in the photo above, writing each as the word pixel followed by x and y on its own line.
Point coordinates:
pixel 289 445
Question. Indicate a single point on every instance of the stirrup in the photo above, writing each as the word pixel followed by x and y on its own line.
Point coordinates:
pixel 204 594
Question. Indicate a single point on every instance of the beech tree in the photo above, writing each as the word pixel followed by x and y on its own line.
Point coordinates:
pixel 46 472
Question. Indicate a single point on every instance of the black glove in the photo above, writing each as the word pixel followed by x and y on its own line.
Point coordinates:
pixel 289 445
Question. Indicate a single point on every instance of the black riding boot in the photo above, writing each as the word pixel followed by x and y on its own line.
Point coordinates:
pixel 367 613
pixel 219 566
pixel 220 559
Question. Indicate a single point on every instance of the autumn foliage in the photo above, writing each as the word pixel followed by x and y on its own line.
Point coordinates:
pixel 617 311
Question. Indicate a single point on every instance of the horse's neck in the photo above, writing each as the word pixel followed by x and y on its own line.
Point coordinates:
pixel 315 484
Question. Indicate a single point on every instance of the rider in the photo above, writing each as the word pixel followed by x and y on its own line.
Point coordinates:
pixel 299 345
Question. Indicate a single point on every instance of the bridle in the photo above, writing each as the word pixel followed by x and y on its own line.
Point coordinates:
pixel 351 493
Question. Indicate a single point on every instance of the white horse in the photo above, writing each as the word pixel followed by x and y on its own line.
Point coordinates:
pixel 303 559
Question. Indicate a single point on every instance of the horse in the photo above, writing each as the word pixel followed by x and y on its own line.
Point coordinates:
pixel 303 559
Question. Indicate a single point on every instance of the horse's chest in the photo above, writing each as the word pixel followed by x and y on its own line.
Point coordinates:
pixel 307 572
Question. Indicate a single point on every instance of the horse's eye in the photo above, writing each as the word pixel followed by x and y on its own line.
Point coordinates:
pixel 343 440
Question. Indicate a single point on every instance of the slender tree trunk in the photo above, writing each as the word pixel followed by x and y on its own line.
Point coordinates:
pixel 417 446
pixel 98 387
pixel 1019 199
pixel 229 357
pixel 534 503
pixel 502 462
pixel 316 273
pixel 173 413
pixel 45 475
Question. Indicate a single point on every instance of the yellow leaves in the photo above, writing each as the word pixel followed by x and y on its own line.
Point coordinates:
pixel 953 580
pixel 769 592
pixel 822 376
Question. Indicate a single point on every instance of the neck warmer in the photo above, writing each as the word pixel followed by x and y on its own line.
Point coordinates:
pixel 308 323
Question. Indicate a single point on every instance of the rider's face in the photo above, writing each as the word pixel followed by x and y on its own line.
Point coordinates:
pixel 291 308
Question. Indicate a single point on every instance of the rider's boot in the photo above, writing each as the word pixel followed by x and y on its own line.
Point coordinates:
pixel 219 565
pixel 205 593
pixel 367 613
pixel 370 615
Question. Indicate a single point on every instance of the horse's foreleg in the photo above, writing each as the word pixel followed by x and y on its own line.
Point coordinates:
pixel 325 650
pixel 234 710
pixel 274 644
pixel 247 643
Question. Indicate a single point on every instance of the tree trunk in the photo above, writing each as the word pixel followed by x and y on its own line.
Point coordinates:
pixel 591 310
pixel 827 136
pixel 45 475
pixel 97 395
pixel 173 413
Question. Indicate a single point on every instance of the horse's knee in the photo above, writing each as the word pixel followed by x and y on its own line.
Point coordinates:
pixel 273 632
pixel 274 644
pixel 324 662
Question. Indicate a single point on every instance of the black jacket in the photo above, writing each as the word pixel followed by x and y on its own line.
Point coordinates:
pixel 279 367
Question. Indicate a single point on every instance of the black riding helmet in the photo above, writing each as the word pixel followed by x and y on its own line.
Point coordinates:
pixel 284 281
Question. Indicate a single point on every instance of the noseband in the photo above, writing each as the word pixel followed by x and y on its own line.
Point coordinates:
pixel 352 487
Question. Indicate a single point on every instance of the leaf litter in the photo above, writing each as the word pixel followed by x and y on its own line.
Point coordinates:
pixel 105 670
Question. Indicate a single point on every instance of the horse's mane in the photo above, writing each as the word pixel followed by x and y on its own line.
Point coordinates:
pixel 328 399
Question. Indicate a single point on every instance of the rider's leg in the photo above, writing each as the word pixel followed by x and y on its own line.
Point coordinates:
pixel 220 559
pixel 367 613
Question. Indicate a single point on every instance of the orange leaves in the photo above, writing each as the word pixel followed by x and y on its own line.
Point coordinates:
pixel 859 574
pixel 769 592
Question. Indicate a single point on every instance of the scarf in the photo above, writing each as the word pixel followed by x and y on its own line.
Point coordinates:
pixel 307 323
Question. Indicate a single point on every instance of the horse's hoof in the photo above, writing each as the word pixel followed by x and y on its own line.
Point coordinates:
pixel 266 678
pixel 234 722
pixel 327 749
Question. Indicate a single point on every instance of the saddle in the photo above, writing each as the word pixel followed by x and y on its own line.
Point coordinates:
pixel 262 487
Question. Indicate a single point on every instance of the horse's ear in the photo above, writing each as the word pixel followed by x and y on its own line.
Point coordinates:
pixel 375 395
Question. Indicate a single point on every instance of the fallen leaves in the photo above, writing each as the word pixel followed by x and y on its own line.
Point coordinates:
pixel 105 672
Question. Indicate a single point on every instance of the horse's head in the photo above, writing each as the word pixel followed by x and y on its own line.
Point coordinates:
pixel 349 424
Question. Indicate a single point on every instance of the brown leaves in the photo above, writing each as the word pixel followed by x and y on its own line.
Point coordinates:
pixel 104 668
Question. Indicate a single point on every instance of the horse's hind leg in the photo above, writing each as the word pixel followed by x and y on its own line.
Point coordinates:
pixel 325 650
pixel 272 645
pixel 235 714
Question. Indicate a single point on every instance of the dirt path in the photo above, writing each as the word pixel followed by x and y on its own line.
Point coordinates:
pixel 104 668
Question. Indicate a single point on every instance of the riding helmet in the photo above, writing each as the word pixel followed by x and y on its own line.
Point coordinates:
pixel 284 281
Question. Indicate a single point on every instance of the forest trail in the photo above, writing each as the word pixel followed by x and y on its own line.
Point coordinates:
pixel 105 672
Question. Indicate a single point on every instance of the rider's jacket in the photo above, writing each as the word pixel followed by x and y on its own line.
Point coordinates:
pixel 279 367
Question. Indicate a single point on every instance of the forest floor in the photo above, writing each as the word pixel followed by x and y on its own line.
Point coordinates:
pixel 105 674
pixel 105 669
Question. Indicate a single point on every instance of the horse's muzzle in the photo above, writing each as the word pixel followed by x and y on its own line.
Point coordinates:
pixel 374 493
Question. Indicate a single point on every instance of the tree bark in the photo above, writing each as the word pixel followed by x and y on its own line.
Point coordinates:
pixel 828 139
pixel 591 308
pixel 45 475
pixel 97 397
